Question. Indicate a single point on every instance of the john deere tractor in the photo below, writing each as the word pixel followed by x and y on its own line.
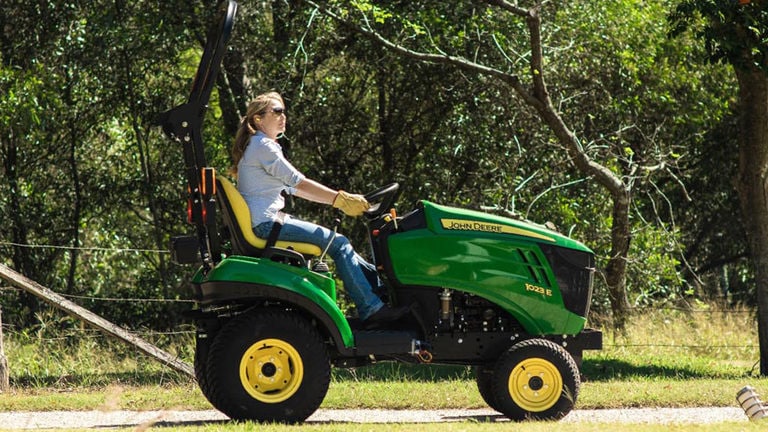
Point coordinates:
pixel 508 297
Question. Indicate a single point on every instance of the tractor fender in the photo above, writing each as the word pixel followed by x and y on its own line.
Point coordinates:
pixel 247 280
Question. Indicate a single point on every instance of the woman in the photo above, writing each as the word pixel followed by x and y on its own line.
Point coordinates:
pixel 263 173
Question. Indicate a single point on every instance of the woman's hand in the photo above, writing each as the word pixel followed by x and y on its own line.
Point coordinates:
pixel 351 204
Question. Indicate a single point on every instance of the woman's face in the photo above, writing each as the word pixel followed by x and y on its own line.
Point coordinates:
pixel 272 122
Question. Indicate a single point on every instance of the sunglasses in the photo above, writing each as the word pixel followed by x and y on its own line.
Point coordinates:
pixel 278 110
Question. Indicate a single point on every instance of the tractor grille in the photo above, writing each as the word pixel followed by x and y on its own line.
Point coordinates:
pixel 574 270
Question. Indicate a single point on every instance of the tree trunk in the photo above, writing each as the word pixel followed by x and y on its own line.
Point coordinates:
pixel 616 269
pixel 621 195
pixel 234 89
pixel 77 200
pixel 752 187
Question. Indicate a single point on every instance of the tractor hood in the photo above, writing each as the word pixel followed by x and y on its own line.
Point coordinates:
pixel 444 218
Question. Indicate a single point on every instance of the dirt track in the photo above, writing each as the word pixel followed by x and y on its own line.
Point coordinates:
pixel 112 419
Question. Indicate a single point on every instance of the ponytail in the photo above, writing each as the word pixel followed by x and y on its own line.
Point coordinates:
pixel 243 136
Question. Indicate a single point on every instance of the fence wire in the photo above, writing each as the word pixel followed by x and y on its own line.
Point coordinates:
pixel 149 333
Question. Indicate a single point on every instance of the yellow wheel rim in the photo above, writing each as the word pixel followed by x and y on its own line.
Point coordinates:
pixel 271 370
pixel 535 384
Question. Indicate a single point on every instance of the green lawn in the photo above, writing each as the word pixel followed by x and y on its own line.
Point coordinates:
pixel 665 359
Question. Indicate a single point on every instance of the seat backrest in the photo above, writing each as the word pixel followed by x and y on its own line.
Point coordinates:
pixel 237 217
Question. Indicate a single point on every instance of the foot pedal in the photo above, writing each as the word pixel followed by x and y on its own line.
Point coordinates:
pixel 379 342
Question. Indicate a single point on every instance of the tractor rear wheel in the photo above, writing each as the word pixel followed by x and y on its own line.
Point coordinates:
pixel 268 366
pixel 535 379
pixel 202 346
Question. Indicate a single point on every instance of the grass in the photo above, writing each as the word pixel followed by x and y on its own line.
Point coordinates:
pixel 665 359
pixel 485 427
pixel 464 427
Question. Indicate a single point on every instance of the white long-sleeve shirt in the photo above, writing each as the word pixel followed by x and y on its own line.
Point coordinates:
pixel 263 173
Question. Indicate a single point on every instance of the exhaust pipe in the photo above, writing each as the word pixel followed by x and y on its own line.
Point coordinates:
pixel 751 404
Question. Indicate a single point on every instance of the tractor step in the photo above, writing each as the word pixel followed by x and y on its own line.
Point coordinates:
pixel 384 342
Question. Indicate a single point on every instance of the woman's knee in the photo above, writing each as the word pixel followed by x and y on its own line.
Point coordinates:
pixel 342 246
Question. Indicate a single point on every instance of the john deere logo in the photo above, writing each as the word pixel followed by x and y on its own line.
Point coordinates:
pixel 471 226
pixel 468 225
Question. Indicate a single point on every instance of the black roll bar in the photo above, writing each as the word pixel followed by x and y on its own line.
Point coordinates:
pixel 183 125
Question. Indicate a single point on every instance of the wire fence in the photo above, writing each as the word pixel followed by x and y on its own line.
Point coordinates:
pixel 154 334
pixel 637 311
pixel 83 248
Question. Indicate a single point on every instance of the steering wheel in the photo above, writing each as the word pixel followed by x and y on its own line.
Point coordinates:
pixel 381 199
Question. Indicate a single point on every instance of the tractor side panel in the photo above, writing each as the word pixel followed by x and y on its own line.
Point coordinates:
pixel 512 274
pixel 237 274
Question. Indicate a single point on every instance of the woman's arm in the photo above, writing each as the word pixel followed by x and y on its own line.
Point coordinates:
pixel 314 191
pixel 350 204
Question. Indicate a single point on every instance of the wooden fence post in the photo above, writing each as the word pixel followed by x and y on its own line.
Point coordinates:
pixel 5 382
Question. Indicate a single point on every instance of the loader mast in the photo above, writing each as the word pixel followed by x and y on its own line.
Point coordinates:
pixel 183 125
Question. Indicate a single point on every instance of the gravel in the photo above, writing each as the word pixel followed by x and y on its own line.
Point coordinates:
pixel 126 419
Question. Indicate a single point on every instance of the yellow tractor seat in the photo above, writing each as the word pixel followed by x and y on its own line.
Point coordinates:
pixel 237 217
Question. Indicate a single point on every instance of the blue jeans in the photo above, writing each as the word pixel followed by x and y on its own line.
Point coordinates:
pixel 358 275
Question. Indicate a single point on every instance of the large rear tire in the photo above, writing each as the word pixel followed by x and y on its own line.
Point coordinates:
pixel 202 346
pixel 268 366
pixel 535 379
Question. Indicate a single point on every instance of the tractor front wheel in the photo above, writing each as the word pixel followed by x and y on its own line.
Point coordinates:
pixel 268 366
pixel 535 379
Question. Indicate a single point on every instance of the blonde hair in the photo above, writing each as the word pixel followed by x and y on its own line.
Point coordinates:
pixel 249 126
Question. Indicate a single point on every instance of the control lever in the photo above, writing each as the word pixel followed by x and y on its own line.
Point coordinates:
pixel 320 265
pixel 393 213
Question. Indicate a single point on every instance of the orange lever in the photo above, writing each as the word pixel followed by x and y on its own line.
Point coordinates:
pixel 393 213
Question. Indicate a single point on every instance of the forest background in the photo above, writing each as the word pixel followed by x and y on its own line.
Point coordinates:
pixel 92 191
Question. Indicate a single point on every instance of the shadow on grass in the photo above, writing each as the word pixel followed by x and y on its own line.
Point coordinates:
pixel 612 369
pixel 251 425
pixel 214 424
pixel 591 370
pixel 394 371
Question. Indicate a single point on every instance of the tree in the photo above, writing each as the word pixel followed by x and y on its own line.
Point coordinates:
pixel 79 88
pixel 736 33
pixel 29 139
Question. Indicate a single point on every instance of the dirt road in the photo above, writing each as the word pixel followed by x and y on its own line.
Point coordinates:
pixel 127 419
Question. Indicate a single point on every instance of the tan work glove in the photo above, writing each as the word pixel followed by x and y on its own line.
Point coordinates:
pixel 350 204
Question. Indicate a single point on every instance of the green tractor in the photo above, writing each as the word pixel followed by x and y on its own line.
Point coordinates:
pixel 507 297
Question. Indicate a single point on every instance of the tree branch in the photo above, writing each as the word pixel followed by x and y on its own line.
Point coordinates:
pixel 460 62
pixel 509 7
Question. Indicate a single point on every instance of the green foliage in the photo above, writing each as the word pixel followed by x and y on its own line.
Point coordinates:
pixel 654 274
pixel 90 177
pixel 649 102
pixel 733 33
pixel 80 172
